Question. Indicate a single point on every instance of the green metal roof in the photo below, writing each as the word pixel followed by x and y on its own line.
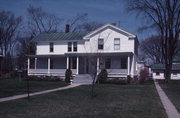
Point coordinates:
pixel 162 66
pixel 60 36
pixel 176 59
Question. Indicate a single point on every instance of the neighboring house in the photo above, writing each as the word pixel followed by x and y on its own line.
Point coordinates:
pixel 107 47
pixel 159 69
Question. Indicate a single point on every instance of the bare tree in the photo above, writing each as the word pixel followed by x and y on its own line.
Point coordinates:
pixel 24 47
pixel 89 26
pixel 9 25
pixel 152 48
pixel 164 16
pixel 94 54
pixel 77 21
pixel 40 21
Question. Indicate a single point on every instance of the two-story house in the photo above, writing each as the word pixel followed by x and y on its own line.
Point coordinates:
pixel 107 47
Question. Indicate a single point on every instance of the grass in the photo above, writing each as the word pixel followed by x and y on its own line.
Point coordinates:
pixel 10 87
pixel 172 89
pixel 112 101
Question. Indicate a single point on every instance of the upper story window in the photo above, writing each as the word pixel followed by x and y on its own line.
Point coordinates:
pixel 75 46
pixel 116 43
pixel 51 47
pixel 69 46
pixel 101 44
pixel 123 63
pixel 72 46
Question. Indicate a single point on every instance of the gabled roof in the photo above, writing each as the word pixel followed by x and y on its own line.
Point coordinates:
pixel 113 27
pixel 162 67
pixel 78 35
pixel 59 36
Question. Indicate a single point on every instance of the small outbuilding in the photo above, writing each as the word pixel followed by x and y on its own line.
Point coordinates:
pixel 159 69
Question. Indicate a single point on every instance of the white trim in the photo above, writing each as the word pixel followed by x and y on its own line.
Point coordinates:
pixel 49 61
pixel 128 65
pixel 97 65
pixel 77 65
pixel 67 62
pixel 35 63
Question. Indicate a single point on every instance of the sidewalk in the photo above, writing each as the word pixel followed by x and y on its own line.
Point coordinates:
pixel 171 111
pixel 38 93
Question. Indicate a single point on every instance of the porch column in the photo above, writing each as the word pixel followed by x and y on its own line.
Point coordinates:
pixel 77 66
pixel 28 65
pixel 49 61
pixel 97 64
pixel 128 65
pixel 35 63
pixel 67 62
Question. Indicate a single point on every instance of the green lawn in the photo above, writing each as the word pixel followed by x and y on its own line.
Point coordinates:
pixel 9 87
pixel 172 90
pixel 112 101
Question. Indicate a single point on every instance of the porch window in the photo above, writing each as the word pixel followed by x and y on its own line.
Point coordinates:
pixel 51 47
pixel 123 63
pixel 51 64
pixel 75 46
pixel 32 63
pixel 108 63
pixel 157 73
pixel 74 63
pixel 69 46
pixel 116 43
pixel 100 44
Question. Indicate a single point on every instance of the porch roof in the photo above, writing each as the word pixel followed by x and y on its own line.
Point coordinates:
pixel 34 56
pixel 100 54
pixel 83 54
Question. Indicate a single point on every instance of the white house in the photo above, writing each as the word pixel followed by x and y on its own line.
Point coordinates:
pixel 159 69
pixel 107 47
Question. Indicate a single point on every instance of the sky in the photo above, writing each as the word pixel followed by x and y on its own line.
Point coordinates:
pixel 102 11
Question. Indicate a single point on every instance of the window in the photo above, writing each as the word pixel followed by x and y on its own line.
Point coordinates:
pixel 69 46
pixel 157 73
pixel 75 46
pixel 51 64
pixel 32 64
pixel 108 63
pixel 74 63
pixel 100 43
pixel 116 43
pixel 51 47
pixel 123 63
pixel 175 73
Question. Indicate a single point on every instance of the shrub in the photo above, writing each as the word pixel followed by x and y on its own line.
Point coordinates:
pixel 143 75
pixel 68 75
pixel 129 78
pixel 102 76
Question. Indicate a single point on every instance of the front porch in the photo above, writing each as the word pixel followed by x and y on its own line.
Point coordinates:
pixel 56 65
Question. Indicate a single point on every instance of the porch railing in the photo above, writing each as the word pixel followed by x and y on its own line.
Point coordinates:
pixel 54 72
pixel 117 71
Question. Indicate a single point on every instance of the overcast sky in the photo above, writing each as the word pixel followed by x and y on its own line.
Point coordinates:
pixel 102 11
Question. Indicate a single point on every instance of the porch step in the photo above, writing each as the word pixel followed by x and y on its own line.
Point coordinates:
pixel 83 78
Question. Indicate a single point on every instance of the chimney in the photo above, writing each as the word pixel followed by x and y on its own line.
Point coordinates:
pixel 67 28
pixel 113 24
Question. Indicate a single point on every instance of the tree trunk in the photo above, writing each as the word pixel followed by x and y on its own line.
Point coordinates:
pixel 167 73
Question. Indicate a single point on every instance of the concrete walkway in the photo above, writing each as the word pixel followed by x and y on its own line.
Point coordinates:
pixel 38 93
pixel 83 78
pixel 171 111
